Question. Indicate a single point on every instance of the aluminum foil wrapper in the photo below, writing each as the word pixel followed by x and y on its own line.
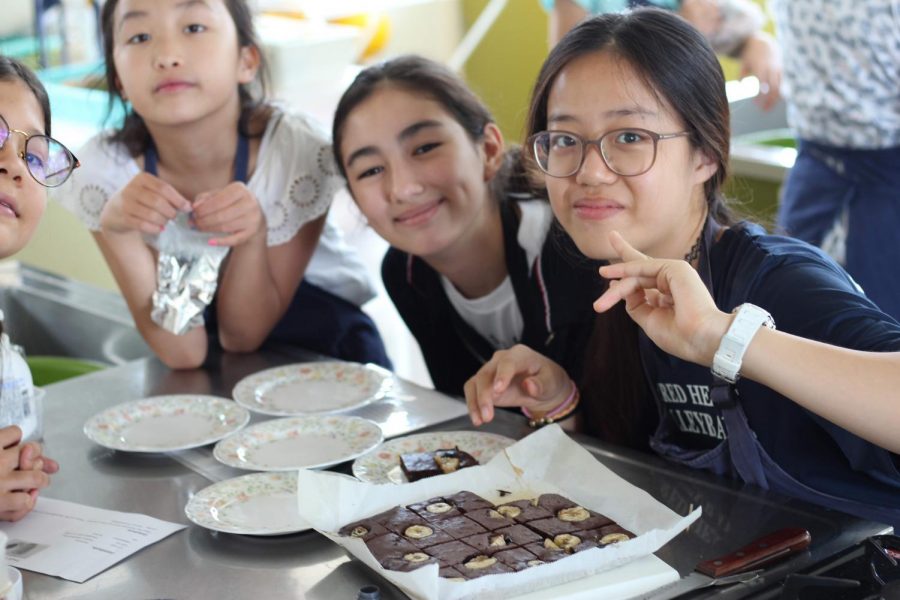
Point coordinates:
pixel 187 274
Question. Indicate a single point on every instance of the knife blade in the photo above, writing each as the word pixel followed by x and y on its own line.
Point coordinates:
pixel 733 567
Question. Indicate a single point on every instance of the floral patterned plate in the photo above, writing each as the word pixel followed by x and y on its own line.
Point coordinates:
pixel 254 504
pixel 382 465
pixel 166 423
pixel 313 442
pixel 311 388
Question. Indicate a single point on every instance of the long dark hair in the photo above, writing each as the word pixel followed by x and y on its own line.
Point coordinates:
pixel 133 133
pixel 430 79
pixel 678 65
pixel 13 70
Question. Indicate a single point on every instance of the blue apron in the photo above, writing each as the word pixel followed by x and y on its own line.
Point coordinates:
pixel 316 319
pixel 862 187
pixel 739 455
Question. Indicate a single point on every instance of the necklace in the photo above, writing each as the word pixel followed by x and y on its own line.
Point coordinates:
pixel 694 253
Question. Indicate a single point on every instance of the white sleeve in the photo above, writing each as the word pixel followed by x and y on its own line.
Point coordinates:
pixel 105 169
pixel 296 176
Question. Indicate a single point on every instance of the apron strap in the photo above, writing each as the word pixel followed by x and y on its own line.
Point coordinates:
pixel 241 159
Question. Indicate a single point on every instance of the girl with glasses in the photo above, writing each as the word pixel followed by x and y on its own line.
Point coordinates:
pixel 200 145
pixel 475 264
pixel 30 160
pixel 809 410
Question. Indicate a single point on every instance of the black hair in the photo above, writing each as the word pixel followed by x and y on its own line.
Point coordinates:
pixel 133 133
pixel 13 70
pixel 676 62
pixel 428 78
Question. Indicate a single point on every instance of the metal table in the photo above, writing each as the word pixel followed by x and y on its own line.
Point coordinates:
pixel 198 564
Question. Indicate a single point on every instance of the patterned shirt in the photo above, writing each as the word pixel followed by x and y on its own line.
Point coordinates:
pixel 842 70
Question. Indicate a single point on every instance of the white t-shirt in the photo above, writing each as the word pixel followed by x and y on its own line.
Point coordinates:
pixel 497 316
pixel 294 181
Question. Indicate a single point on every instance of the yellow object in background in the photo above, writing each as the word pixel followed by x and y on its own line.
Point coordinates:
pixel 376 31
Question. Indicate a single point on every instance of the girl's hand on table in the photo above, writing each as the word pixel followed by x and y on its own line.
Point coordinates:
pixel 233 210
pixel 668 300
pixel 146 204
pixel 518 376
pixel 19 486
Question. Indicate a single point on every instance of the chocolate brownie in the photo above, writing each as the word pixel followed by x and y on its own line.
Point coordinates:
pixel 409 561
pixel 466 501
pixel 365 529
pixel 518 558
pixel 552 526
pixel 489 518
pixel 582 517
pixel 459 527
pixel 452 553
pixel 519 535
pixel 419 466
pixel 435 509
pixel 481 565
pixel 609 534
pixel 554 502
pixel 523 511
pixel 546 553
pixel 451 574
pixel 390 546
pixel 490 542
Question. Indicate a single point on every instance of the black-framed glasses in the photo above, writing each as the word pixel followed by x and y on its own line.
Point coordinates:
pixel 48 161
pixel 627 152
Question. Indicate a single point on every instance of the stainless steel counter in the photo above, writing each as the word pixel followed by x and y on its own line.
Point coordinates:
pixel 198 564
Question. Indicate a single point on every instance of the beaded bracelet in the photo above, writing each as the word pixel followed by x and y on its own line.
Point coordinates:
pixel 566 408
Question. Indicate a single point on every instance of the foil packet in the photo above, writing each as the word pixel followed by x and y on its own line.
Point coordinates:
pixel 187 274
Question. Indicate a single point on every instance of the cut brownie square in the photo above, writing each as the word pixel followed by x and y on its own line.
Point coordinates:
pixel 489 518
pixel 452 553
pixel 419 466
pixel 409 561
pixel 466 501
pixel 365 529
pixel 609 534
pixel 435 509
pixel 451 574
pixel 459 527
pixel 570 542
pixel 481 565
pixel 582 517
pixel 490 542
pixel 545 553
pixel 519 535
pixel 518 558
pixel 390 546
pixel 554 502
pixel 551 526
pixel 523 511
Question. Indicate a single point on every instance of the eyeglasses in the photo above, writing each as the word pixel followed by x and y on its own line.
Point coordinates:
pixel 48 161
pixel 627 152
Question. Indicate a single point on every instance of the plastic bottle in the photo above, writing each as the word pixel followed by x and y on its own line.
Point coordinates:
pixel 19 404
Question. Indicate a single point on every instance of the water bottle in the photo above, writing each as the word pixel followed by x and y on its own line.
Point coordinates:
pixel 19 404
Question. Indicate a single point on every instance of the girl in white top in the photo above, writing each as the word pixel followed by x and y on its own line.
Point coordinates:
pixel 260 179
pixel 30 160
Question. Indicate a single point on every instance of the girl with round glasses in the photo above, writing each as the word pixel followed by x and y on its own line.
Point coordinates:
pixel 809 410
pixel 30 160
pixel 475 264
pixel 202 146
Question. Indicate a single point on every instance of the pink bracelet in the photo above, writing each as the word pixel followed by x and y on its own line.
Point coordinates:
pixel 548 418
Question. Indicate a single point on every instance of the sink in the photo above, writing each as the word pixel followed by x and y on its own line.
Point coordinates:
pixel 51 315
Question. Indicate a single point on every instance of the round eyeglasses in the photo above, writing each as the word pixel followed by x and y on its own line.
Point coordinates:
pixel 48 161
pixel 627 152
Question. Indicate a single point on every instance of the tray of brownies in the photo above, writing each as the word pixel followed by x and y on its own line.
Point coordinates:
pixel 539 514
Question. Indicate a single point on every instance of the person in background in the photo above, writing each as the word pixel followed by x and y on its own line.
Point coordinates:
pixel 733 27
pixel 197 139
pixel 475 262
pixel 629 124
pixel 842 88
pixel 30 161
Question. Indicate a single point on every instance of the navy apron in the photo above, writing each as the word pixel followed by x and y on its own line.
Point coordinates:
pixel 740 455
pixel 316 319
pixel 861 188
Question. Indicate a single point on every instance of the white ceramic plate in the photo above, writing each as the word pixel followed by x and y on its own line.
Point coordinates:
pixel 382 465
pixel 310 388
pixel 166 423
pixel 254 504
pixel 313 442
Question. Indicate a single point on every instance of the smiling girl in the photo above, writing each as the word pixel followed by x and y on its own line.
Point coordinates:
pixel 30 161
pixel 475 264
pixel 259 180
pixel 629 125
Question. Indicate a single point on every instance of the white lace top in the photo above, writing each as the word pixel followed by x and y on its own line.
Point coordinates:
pixel 294 181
